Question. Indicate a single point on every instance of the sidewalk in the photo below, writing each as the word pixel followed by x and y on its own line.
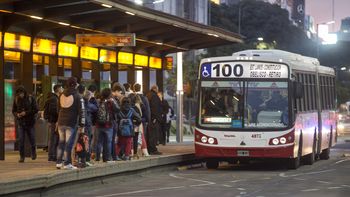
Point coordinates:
pixel 18 177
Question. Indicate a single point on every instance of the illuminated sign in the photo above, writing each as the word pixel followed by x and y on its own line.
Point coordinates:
pixel 244 70
pixel 86 65
pixel 12 56
pixel 13 41
pixel 44 46
pixel 67 49
pixel 37 59
pixel 141 60
pixel 108 56
pixel 155 62
pixel 125 58
pixel 89 53
pixel 102 40
pixel 169 63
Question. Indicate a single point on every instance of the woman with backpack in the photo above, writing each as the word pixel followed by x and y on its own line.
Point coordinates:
pixel 127 117
pixel 104 124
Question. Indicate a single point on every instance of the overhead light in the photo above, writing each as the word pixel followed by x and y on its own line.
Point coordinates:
pixel 37 17
pixel 215 35
pixel 159 43
pixel 6 11
pixel 106 5
pixel 75 27
pixel 261 39
pixel 343 68
pixel 139 2
pixel 130 13
pixel 62 23
pixel 330 22
pixel 158 1
pixel 345 31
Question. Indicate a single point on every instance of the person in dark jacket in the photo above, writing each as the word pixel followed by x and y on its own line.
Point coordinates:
pixel 104 124
pixel 126 140
pixel 51 115
pixel 117 95
pixel 24 109
pixel 146 112
pixel 71 115
pixel 156 118
pixel 91 109
pixel 167 114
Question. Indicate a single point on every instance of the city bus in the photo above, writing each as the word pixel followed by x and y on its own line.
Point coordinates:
pixel 262 104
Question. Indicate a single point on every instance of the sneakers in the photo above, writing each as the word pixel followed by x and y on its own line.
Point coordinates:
pixel 21 160
pixel 69 167
pixel 110 161
pixel 59 166
pixel 156 153
pixel 88 164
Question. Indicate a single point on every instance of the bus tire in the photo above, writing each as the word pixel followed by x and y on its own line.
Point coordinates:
pixel 310 158
pixel 294 163
pixel 212 164
pixel 325 153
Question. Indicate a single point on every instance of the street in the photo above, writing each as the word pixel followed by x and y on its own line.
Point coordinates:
pixel 324 178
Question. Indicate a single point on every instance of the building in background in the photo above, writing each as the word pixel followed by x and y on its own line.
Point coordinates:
pixel 344 33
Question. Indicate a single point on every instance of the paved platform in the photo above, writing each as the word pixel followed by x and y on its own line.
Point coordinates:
pixel 30 175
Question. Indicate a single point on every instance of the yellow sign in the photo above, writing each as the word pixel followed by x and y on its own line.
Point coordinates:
pixel 141 60
pixel 169 63
pixel 44 46
pixel 67 49
pixel 108 56
pixel 102 40
pixel 89 53
pixel 125 58
pixel 13 41
pixel 12 56
pixel 155 62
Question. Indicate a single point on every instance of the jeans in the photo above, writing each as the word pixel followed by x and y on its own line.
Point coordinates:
pixel 115 130
pixel 22 131
pixel 53 142
pixel 65 145
pixel 105 142
pixel 152 135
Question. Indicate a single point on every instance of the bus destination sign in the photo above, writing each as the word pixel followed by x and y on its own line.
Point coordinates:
pixel 244 70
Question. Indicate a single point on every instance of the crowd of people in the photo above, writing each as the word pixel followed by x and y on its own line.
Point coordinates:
pixel 117 123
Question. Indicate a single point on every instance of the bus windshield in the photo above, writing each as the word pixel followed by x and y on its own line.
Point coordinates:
pixel 244 104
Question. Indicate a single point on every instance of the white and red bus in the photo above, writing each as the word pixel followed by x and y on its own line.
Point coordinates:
pixel 265 104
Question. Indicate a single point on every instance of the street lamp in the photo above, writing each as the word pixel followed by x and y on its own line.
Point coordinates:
pixel 318 38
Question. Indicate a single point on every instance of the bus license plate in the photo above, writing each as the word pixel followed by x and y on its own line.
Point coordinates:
pixel 243 153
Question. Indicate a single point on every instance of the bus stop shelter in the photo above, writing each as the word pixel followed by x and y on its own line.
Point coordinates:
pixel 41 34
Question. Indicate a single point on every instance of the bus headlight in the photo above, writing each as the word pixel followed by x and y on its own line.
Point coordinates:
pixel 204 139
pixel 275 141
pixel 211 140
pixel 283 140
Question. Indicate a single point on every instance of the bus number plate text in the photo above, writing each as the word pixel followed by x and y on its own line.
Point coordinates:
pixel 243 153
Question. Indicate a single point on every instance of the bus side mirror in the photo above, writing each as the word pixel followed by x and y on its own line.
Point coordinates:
pixel 298 90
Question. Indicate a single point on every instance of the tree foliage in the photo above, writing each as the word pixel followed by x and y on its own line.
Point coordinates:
pixel 259 19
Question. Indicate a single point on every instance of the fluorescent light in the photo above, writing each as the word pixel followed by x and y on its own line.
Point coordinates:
pixel 261 39
pixel 130 13
pixel 62 23
pixel 330 22
pixel 5 11
pixel 345 31
pixel 36 17
pixel 139 2
pixel 106 5
pixel 158 1
pixel 159 43
pixel 215 35
pixel 343 68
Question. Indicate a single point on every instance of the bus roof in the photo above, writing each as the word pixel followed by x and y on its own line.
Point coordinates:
pixel 295 61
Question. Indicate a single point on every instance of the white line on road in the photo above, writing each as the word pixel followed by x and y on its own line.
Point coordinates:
pixel 334 187
pixel 341 161
pixel 309 190
pixel 241 189
pixel 227 185
pixel 299 179
pixel 205 183
pixel 346 185
pixel 325 182
pixel 300 174
pixel 142 191
pixel 235 181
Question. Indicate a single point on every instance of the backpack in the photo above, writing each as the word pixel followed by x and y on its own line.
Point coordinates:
pixel 82 143
pixel 126 125
pixel 103 115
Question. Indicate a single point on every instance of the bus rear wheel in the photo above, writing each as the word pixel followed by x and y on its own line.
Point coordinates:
pixel 310 158
pixel 212 164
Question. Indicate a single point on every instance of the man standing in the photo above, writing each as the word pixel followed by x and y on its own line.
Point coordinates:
pixel 71 114
pixel 146 112
pixel 51 115
pixel 24 109
pixel 156 117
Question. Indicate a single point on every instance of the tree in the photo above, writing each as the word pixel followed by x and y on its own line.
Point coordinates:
pixel 259 19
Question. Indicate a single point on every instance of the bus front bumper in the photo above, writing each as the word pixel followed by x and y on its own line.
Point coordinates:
pixel 248 152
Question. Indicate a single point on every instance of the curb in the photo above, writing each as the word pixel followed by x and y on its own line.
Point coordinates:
pixel 99 170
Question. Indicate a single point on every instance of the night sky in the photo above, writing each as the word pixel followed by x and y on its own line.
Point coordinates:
pixel 321 10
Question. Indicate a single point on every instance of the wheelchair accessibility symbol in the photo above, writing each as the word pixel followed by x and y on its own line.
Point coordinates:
pixel 206 71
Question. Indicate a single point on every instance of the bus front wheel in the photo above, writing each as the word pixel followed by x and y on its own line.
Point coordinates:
pixel 294 163
pixel 212 164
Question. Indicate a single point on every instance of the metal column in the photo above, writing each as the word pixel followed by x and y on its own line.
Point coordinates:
pixel 179 98
pixel 2 100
